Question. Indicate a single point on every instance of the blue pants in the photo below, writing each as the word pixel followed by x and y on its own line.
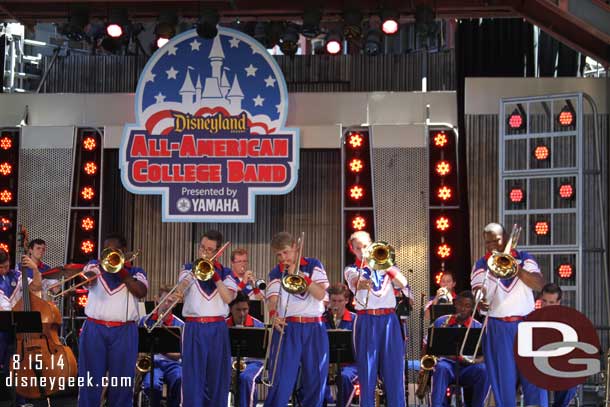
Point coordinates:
pixel 111 349
pixel 248 396
pixel 472 376
pixel 502 372
pixel 349 377
pixel 206 364
pixel 564 397
pixel 169 372
pixel 304 345
pixel 380 349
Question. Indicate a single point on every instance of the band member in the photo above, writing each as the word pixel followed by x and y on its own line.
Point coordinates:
pixel 167 366
pixel 378 341
pixel 339 317
pixel 305 341
pixel 108 343
pixel 36 251
pixel 206 350
pixel 243 276
pixel 240 317
pixel 508 302
pixel 445 293
pixel 474 375
pixel 551 295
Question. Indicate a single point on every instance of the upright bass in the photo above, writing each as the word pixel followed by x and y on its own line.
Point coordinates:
pixel 42 358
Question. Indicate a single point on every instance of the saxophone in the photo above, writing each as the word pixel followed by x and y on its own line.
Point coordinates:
pixel 426 368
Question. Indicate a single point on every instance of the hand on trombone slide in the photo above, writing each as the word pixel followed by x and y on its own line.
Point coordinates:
pixel 479 296
pixel 364 284
pixel 279 323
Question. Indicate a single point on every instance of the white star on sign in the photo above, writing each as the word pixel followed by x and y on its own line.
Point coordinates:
pixel 258 100
pixel 279 107
pixel 195 45
pixel 251 70
pixel 171 50
pixel 171 73
pixel 160 98
pixel 270 81
pixel 149 77
pixel 234 42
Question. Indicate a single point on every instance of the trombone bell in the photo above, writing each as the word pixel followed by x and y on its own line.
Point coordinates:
pixel 203 269
pixel 294 284
pixel 380 256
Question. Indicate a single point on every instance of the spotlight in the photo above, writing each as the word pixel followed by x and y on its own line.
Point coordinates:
pixel 333 43
pixel 74 29
pixel 352 29
pixel 118 22
pixel 206 27
pixel 166 28
pixel 311 23
pixel 372 45
pixel 565 118
pixel 389 24
pixel 290 40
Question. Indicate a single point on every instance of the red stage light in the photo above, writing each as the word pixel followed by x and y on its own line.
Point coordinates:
pixel 5 224
pixel 357 389
pixel 440 139
pixel 114 30
pixel 442 223
pixel 333 47
pixel 358 223
pixel 443 168
pixel 443 251
pixel 82 300
pixel 566 191
pixel 356 165
pixel 541 153
pixel 565 270
pixel 6 168
pixel 516 195
pixel 4 246
pixel 444 193
pixel 6 196
pixel 89 144
pixel 356 192
pixel 566 117
pixel 90 168
pixel 87 223
pixel 87 193
pixel 389 27
pixel 541 228
pixel 355 140
pixel 87 246
pixel 438 277
pixel 515 120
pixel 538 304
pixel 6 143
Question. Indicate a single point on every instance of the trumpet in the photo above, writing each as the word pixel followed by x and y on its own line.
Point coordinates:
pixel 144 364
pixel 260 284
pixel 444 296
pixel 378 256
pixel 202 270
pixel 112 261
pixel 500 265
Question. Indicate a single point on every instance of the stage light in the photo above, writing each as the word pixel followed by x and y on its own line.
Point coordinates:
pixel 565 118
pixel 541 153
pixel 355 140
pixel 118 22
pixel 372 45
pixel 5 224
pixel 206 26
pixel 442 223
pixel 87 223
pixel 6 196
pixel 6 168
pixel 311 22
pixel 89 143
pixel 74 29
pixel 358 223
pixel 82 299
pixel 90 168
pixel 440 139
pixel 356 165
pixel 541 228
pixel 87 193
pixel 444 193
pixel 443 168
pixel 438 277
pixel 389 24
pixel 566 191
pixel 87 246
pixel 165 28
pixel 289 43
pixel 515 120
pixel 538 304
pixel 4 246
pixel 114 30
pixel 565 271
pixel 443 251
pixel 356 192
pixel 333 43
pixel 6 143
pixel 516 195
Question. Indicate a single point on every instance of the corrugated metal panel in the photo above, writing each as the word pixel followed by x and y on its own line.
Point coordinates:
pixel 307 73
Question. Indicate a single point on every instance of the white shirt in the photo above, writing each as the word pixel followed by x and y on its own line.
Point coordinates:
pixel 201 298
pixel 381 294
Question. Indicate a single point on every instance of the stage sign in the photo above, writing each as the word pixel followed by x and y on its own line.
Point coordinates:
pixel 210 130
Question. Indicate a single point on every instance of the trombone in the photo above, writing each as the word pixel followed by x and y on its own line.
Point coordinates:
pixel 202 270
pixel 379 255
pixel 112 261
pixel 292 284
pixel 500 265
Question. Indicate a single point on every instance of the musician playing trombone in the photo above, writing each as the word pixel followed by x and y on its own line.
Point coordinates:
pixel 243 275
pixel 206 350
pixel 508 301
pixel 108 342
pixel 167 366
pixel 378 342
pixel 297 319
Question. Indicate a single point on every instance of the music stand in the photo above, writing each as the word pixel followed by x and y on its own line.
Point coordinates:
pixel 439 310
pixel 18 322
pixel 448 341
pixel 245 342
pixel 256 309
pixel 166 339
pixel 340 351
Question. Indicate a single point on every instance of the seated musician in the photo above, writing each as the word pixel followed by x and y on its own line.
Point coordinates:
pixel 244 278
pixel 240 317
pixel 474 375
pixel 444 295
pixel 338 317
pixel 108 343
pixel 167 366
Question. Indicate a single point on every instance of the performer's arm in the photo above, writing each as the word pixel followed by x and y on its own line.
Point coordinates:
pixel 533 280
pixel 226 294
pixel 136 287
pixel 397 278
pixel 36 283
